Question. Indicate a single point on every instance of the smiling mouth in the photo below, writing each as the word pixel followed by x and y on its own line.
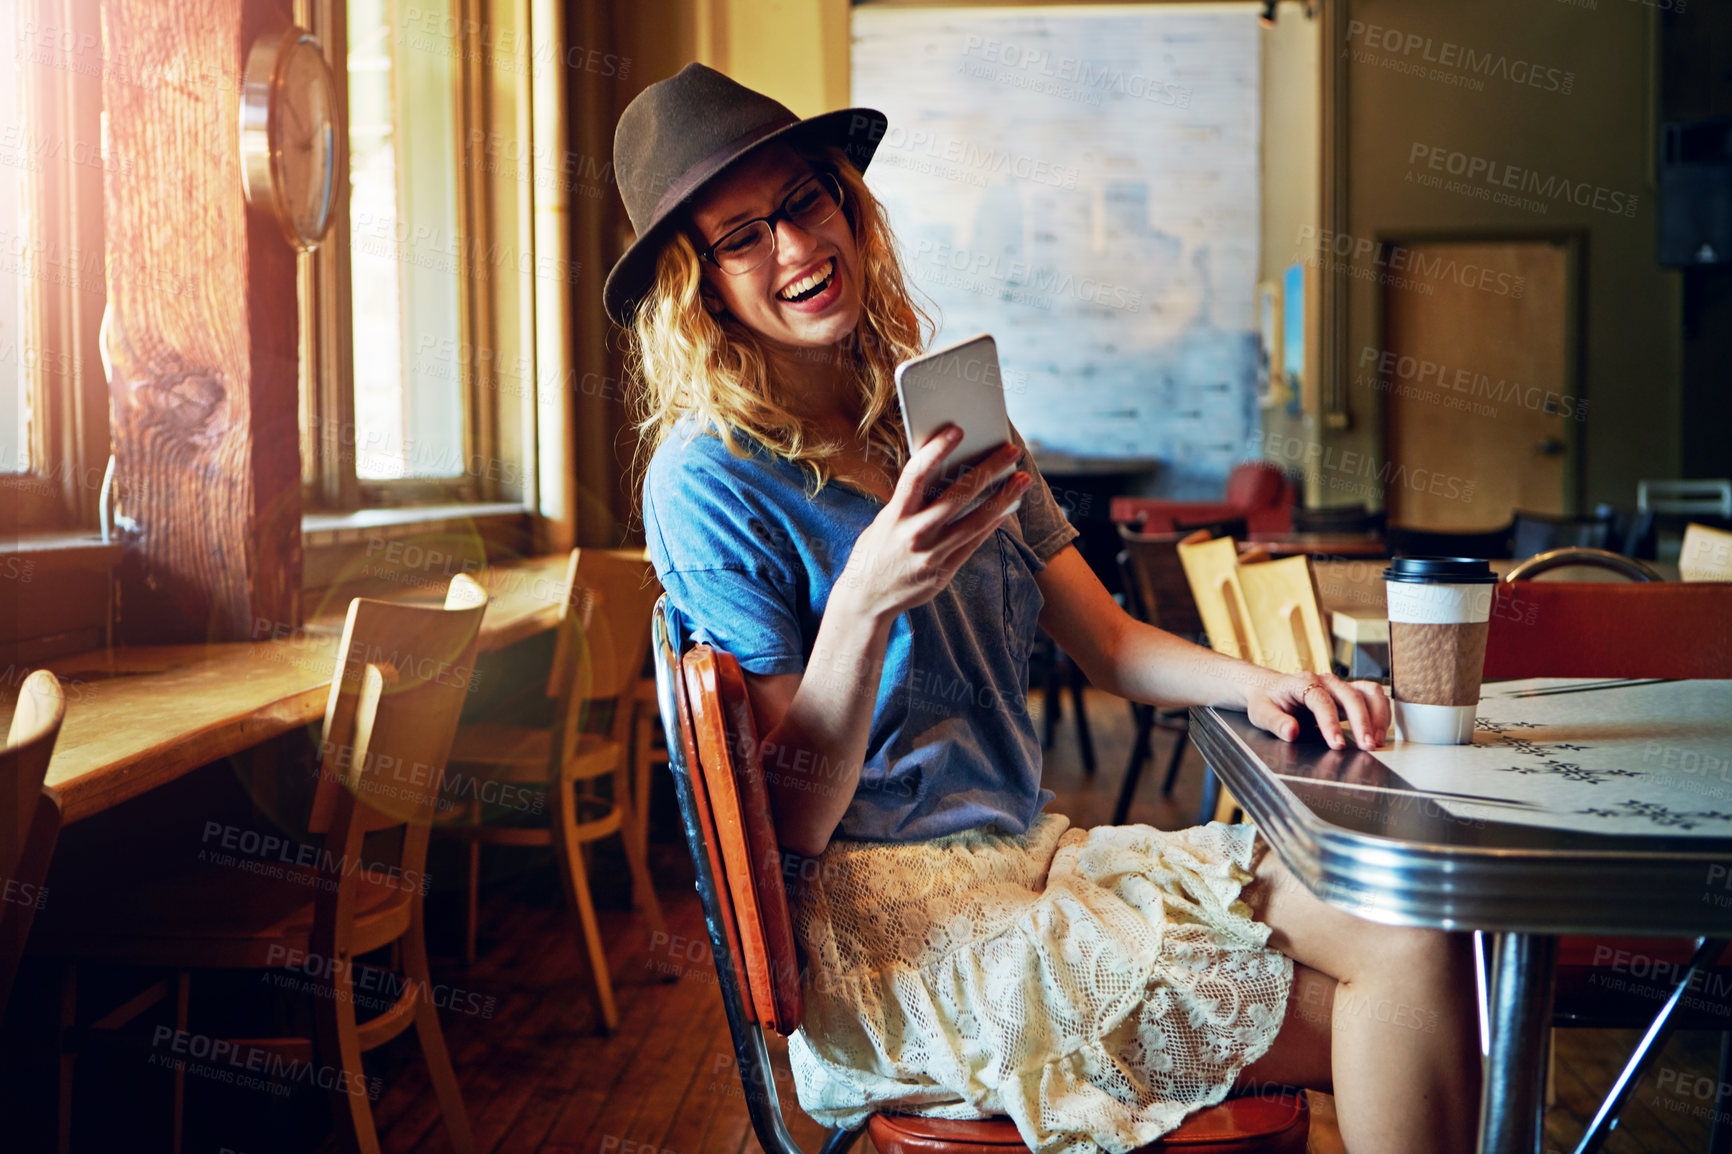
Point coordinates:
pixel 810 285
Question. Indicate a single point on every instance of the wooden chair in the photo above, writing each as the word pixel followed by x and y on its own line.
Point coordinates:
pixel 646 751
pixel 29 815
pixel 401 676
pixel 1285 616
pixel 1707 554
pixel 1609 629
pixel 1212 568
pixel 724 806
pixel 1614 630
pixel 598 657
pixel 1155 592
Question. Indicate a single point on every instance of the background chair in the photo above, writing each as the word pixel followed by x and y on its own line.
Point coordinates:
pixel 1619 566
pixel 386 734
pixel 1542 532
pixel 1664 507
pixel 1054 670
pixel 29 814
pixel 1155 592
pixel 603 635
pixel 1617 630
pixel 1609 629
pixel 1285 615
pixel 713 747
pixel 1257 491
pixel 1488 545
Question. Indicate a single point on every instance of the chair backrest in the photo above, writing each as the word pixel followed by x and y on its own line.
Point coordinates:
pixel 733 781
pixel 1609 629
pixel 1285 615
pixel 1712 496
pixel 29 814
pixel 1257 485
pixel 1620 566
pixel 402 674
pixel 24 761
pixel 1156 590
pixel 1707 554
pixel 1543 532
pixel 1212 568
pixel 750 998
pixel 603 634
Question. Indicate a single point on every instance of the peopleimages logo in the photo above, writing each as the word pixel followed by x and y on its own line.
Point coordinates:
pixel 1486 179
pixel 1454 62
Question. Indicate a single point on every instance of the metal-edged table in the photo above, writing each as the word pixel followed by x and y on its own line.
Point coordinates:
pixel 1582 807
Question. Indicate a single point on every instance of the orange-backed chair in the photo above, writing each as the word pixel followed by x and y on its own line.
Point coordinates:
pixel 402 672
pixel 597 660
pixel 1640 629
pixel 724 805
pixel 1610 629
pixel 29 815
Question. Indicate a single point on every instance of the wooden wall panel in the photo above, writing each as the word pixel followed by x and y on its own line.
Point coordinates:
pixel 201 333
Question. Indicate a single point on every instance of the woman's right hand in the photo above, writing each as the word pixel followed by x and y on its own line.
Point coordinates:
pixel 909 554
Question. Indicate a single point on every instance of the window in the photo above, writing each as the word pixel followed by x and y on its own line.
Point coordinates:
pixel 53 392
pixel 414 310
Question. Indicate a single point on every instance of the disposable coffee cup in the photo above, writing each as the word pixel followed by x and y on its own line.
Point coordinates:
pixel 1439 613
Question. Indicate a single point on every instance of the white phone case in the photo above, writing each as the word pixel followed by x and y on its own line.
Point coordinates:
pixel 961 385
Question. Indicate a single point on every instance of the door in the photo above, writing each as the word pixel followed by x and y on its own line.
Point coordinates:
pixel 1478 371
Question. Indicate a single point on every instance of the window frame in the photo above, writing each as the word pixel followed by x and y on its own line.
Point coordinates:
pixel 61 101
pixel 331 484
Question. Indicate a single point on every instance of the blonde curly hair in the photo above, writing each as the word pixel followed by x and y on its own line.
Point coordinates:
pixel 688 361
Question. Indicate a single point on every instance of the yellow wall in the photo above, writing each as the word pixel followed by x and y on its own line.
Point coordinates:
pixel 1597 133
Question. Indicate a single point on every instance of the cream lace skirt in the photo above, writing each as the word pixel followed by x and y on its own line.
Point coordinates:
pixel 1095 985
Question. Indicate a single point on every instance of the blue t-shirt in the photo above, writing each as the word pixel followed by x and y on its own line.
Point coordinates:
pixel 749 560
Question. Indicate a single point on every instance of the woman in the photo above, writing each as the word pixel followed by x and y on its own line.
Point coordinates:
pixel 968 953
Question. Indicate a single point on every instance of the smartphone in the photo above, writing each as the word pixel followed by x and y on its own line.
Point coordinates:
pixel 961 385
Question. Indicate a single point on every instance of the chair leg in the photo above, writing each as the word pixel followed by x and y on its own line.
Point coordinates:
pixel 576 877
pixel 1085 743
pixel 643 890
pixel 642 751
pixel 339 1046
pixel 1181 738
pixel 1211 796
pixel 182 994
pixel 1140 751
pixel 472 903
pixel 68 1057
pixel 1720 1134
pixel 432 1039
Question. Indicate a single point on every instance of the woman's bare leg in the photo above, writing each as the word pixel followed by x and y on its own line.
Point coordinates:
pixel 1402 1043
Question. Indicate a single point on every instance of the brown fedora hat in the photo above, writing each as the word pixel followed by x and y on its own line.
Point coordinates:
pixel 679 134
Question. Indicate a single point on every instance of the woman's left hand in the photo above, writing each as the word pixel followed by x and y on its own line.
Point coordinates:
pixel 1277 704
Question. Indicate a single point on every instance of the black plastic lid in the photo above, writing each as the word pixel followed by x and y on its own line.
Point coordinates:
pixel 1440 571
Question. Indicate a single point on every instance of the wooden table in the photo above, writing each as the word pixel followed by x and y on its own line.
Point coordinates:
pixel 139 716
pixel 1318 544
pixel 1560 818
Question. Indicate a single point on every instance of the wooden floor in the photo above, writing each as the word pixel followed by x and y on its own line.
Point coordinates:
pixel 538 1076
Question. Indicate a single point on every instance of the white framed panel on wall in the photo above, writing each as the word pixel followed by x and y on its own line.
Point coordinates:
pixel 1083 183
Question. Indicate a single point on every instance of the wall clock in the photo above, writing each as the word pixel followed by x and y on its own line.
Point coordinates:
pixel 292 153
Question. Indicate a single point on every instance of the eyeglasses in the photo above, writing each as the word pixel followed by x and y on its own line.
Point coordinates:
pixel 813 202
